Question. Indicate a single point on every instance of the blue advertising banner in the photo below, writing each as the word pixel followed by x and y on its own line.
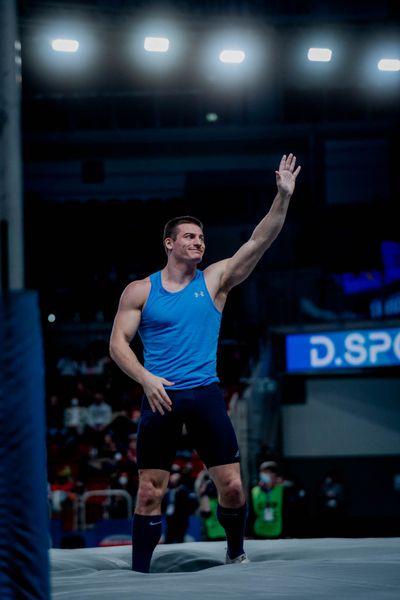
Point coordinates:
pixel 327 350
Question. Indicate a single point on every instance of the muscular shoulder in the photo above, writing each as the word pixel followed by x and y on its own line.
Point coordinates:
pixel 136 293
pixel 214 277
pixel 213 273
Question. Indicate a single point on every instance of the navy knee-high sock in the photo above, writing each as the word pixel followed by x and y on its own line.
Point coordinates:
pixel 233 520
pixel 146 533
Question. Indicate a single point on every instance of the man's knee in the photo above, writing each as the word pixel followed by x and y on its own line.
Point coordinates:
pixel 234 488
pixel 231 490
pixel 150 493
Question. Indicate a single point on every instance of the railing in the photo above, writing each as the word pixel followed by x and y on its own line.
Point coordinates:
pixel 108 493
pixel 52 503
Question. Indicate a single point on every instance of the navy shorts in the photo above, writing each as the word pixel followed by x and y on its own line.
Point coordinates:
pixel 209 427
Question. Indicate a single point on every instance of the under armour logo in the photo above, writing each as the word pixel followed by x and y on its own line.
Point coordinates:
pixel 197 294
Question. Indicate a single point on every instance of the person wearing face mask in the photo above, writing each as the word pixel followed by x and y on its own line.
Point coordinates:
pixel 178 504
pixel 267 502
pixel 121 480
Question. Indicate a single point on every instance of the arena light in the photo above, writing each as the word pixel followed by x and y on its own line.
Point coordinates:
pixel 156 44
pixel 319 54
pixel 232 56
pixel 64 45
pixel 66 48
pixel 381 65
pixel 389 64
pixel 235 56
pixel 211 117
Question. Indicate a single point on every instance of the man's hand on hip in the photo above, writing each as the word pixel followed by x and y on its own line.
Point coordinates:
pixel 153 387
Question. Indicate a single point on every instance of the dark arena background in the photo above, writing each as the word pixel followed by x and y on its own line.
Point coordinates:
pixel 116 117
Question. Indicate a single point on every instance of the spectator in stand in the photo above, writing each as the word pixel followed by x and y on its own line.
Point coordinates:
pixel 99 416
pixel 208 503
pixel 83 393
pixel 126 483
pixel 109 447
pixel 120 429
pixel 67 365
pixel 296 509
pixel 135 417
pixel 330 506
pixel 91 365
pixel 94 466
pixel 267 499
pixel 62 496
pixel 130 462
pixel 180 502
pixel 132 448
pixel 75 419
pixel 96 361
pixel 118 505
pixel 54 420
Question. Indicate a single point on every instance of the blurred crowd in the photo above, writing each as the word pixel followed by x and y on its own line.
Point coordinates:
pixel 92 418
pixel 93 414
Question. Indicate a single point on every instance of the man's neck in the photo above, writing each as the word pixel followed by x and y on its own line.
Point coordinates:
pixel 177 275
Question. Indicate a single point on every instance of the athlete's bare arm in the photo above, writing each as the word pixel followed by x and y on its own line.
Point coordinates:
pixel 126 324
pixel 222 276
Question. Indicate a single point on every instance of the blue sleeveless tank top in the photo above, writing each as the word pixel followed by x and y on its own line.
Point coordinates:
pixel 179 331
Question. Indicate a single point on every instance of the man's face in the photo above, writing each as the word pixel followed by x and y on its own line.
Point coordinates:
pixel 189 243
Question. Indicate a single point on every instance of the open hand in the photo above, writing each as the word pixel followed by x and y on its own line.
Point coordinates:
pixel 153 387
pixel 286 176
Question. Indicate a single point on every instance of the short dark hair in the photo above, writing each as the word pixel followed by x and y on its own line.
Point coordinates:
pixel 171 227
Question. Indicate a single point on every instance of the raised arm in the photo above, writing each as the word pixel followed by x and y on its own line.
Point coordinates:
pixel 232 271
pixel 126 324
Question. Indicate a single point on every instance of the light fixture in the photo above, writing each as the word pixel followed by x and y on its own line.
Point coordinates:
pixel 389 64
pixel 156 44
pixel 64 45
pixel 232 56
pixel 319 54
